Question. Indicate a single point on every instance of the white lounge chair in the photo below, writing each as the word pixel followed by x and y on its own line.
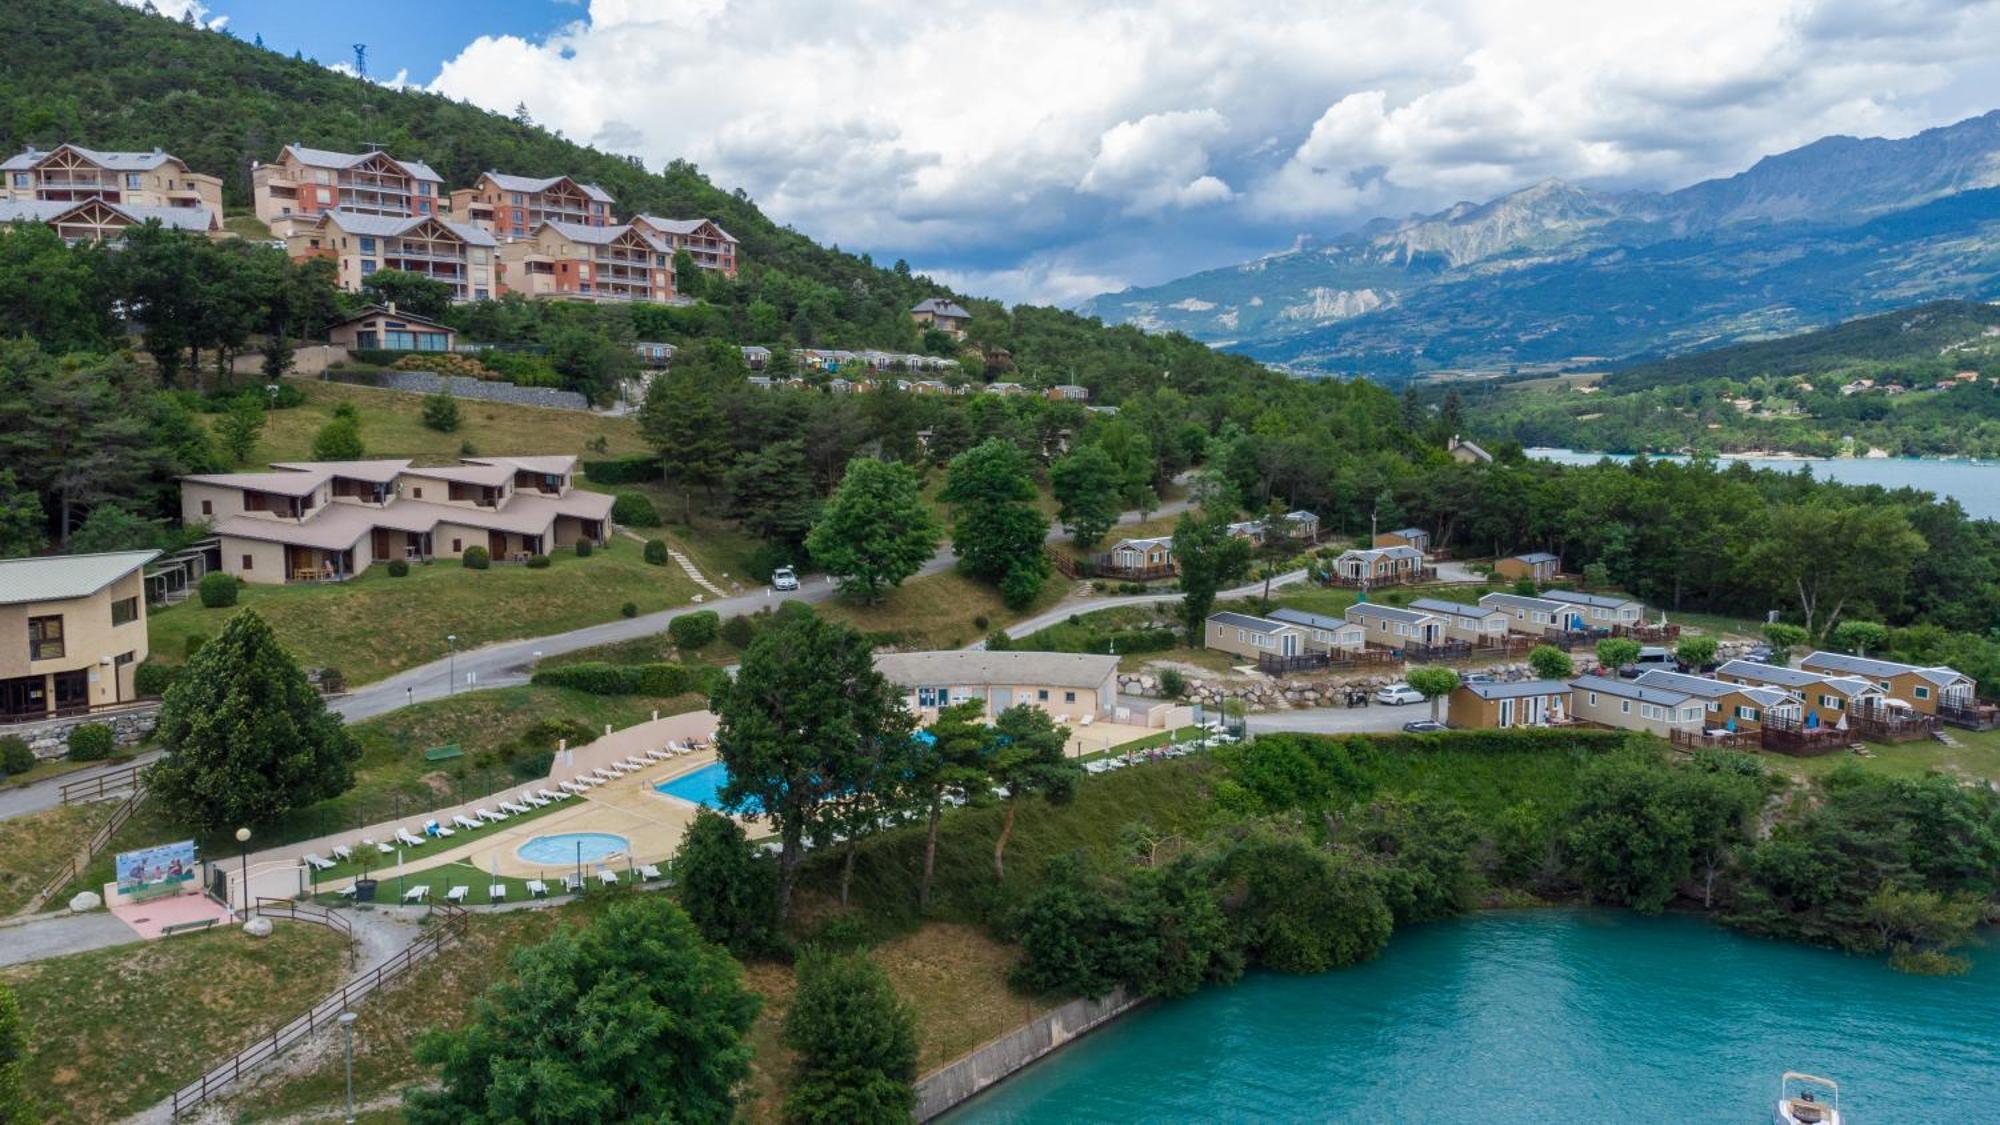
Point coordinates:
pixel 607 876
pixel 649 872
pixel 511 807
pixel 343 853
pixel 528 798
pixel 350 891
pixel 417 893
pixel 496 892
pixel 603 775
pixel 457 894
pixel 489 816
pixel 635 763
pixel 314 861
pixel 385 849
pixel 404 837
pixel 657 755
pixel 550 794
pixel 466 823
pixel 570 787
pixel 1088 719
pixel 572 884
pixel 537 888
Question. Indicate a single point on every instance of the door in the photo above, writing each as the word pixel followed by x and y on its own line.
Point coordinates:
pixel 1507 712
pixel 1289 644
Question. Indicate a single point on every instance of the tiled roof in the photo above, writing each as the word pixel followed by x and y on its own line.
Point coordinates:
pixel 378 471
pixel 485 476
pixel 115 161
pixel 1411 533
pixel 1574 597
pixel 391 226
pixel 1521 601
pixel 1692 685
pixel 335 527
pixel 1518 689
pixel 1439 605
pixel 1881 669
pixel 1536 557
pixel 1630 689
pixel 327 158
pixel 684 226
pixel 506 182
pixel 1312 620
pixel 556 464
pixel 602 236
pixel 50 210
pixel 939 306
pixel 49 578
pixel 1246 621
pixel 1390 613
pixel 303 481
pixel 1382 553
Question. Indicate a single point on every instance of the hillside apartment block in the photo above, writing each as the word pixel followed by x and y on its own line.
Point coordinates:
pixel 587 262
pixel 88 195
pixel 318 521
pixel 72 632
pixel 512 207
pixel 305 183
pixel 456 254
pixel 711 247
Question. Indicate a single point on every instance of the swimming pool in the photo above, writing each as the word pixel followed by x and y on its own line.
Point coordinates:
pixel 704 787
pixel 573 847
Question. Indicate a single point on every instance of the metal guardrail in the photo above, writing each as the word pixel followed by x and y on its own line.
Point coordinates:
pixel 19 718
pixel 320 1015
pixel 103 785
pixel 305 912
pixel 98 839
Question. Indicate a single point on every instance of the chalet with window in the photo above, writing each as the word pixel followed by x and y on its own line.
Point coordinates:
pixel 945 316
pixel 1241 634
pixel 318 521
pixel 1497 706
pixel 1482 625
pixel 1930 691
pixel 72 632
pixel 1536 617
pixel 588 263
pixel 1414 537
pixel 155 180
pixel 1628 705
pixel 1301 524
pixel 515 207
pixel 1730 706
pixel 305 183
pixel 1068 392
pixel 459 255
pixel 1071 686
pixel 1538 565
pixel 1331 635
pixel 1392 627
pixel 1379 566
pixel 382 327
pixel 1152 556
pixel 1823 698
pixel 1600 611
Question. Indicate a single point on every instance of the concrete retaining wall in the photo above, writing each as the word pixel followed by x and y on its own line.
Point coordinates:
pixel 50 739
pixel 425 383
pixel 957 1081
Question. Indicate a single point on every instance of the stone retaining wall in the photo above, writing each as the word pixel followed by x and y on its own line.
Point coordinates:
pixel 426 383
pixel 50 739
pixel 953 1083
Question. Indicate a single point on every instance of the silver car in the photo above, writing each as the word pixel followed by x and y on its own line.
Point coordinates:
pixel 784 578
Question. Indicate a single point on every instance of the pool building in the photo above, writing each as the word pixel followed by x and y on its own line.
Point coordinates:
pixel 1068 685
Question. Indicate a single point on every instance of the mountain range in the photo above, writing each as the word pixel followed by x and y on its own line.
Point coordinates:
pixel 1562 274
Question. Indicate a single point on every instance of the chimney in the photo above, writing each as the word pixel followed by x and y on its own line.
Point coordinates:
pixel 392 308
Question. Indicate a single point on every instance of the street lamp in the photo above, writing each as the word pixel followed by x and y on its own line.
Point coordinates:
pixel 347 1033
pixel 243 851
pixel 451 645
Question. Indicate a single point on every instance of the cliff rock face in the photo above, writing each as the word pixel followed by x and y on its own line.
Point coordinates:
pixel 1839 227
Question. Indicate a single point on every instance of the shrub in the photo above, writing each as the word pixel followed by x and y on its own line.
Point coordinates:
pixel 443 363
pixel 15 757
pixel 739 631
pixel 91 742
pixel 332 680
pixel 629 609
pixel 633 509
pixel 441 412
pixel 150 679
pixel 979 622
pixel 218 590
pixel 467 449
pixel 192 645
pixel 599 678
pixel 583 548
pixel 538 562
pixel 691 631
pixel 1173 685
pixel 398 567
pixel 476 558
pixel 639 468
pixel 656 552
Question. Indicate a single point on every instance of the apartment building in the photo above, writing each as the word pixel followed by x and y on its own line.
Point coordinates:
pixel 944 315
pixel 305 183
pixel 98 220
pixel 74 629
pixel 457 254
pixel 588 263
pixel 711 247
pixel 515 207
pixel 320 521
pixel 71 174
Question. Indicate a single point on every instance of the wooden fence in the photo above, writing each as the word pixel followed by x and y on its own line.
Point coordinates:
pixel 82 859
pixel 451 924
pixel 103 785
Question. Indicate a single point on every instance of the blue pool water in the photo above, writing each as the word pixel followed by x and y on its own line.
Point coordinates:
pixel 564 847
pixel 704 787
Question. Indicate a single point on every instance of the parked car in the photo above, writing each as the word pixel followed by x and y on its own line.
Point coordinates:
pixel 1398 694
pixel 1761 654
pixel 1476 678
pixel 784 578
pixel 1650 657
pixel 1424 726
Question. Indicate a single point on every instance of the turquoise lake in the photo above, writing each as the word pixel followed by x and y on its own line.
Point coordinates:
pixel 1545 1016
pixel 1974 484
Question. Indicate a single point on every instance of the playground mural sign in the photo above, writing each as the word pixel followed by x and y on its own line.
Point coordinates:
pixel 156 866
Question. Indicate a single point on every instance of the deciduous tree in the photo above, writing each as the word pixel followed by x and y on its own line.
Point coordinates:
pixel 997 532
pixel 1551 663
pixel 875 531
pixel 855 1041
pixel 1026 759
pixel 1433 683
pixel 1209 558
pixel 1087 484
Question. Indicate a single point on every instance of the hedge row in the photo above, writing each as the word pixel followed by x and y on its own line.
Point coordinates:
pixel 637 468
pixel 599 678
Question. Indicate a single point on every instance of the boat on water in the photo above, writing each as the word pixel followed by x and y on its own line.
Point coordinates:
pixel 1804 1099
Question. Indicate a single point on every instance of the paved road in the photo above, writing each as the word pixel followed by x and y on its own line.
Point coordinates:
pixel 44 795
pixel 57 935
pixel 510 662
pixel 1374 718
pixel 1070 609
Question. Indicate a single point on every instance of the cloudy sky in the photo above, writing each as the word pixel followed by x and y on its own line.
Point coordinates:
pixel 1048 150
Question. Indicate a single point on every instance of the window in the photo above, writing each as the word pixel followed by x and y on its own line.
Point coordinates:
pixel 324 195
pixel 454 543
pixel 1042 695
pixel 1593 699
pixel 479 294
pixel 367 246
pixel 208 507
pixel 45 637
pixel 124 611
pixel 367 267
pixel 1069 697
pixel 1625 707
pixel 248 562
pixel 417 493
pixel 122 659
pixel 1921 693
pixel 1746 713
pixel 23 179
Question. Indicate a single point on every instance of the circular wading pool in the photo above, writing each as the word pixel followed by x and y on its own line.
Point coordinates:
pixel 573 847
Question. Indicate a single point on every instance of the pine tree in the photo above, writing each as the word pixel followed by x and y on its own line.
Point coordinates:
pixel 856 1042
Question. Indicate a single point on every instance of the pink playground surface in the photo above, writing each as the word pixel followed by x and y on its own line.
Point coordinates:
pixel 149 918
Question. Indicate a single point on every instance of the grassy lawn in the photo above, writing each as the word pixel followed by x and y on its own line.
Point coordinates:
pixel 495 728
pixel 376 625
pixel 938 610
pixel 246 225
pixel 57 767
pixel 954 975
pixel 392 425
pixel 720 549
pixel 32 847
pixel 1145 529
pixel 115 1030
pixel 1977 756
